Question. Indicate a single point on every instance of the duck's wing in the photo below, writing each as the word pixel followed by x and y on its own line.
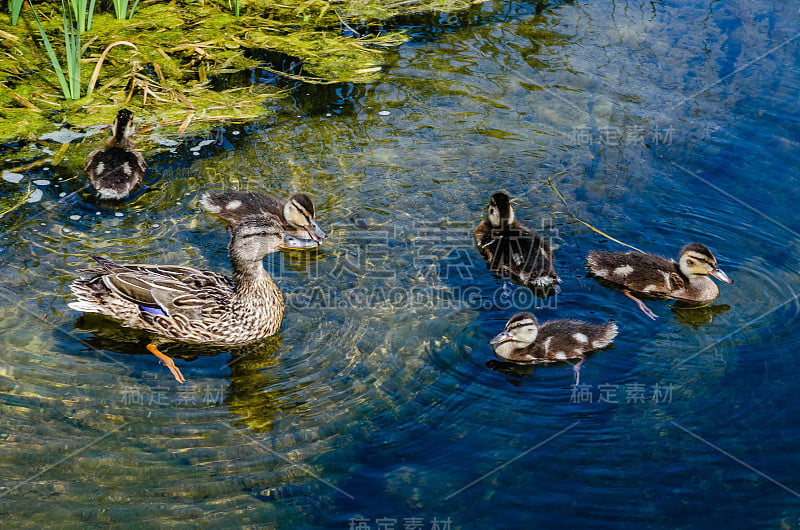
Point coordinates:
pixel 484 239
pixel 532 253
pixel 525 255
pixel 233 206
pixel 576 337
pixel 644 273
pixel 172 290
pixel 115 167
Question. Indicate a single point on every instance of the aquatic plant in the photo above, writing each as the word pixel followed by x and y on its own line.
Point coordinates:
pixel 81 13
pixel 121 9
pixel 189 62
pixel 231 5
pixel 71 84
pixel 14 8
pixel 13 201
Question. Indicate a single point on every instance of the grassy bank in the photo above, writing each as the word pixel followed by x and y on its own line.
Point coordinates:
pixel 169 62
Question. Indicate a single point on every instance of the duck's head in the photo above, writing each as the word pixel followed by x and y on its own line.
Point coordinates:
pixel 122 127
pixel 299 212
pixel 520 331
pixel 255 236
pixel 696 260
pixel 500 211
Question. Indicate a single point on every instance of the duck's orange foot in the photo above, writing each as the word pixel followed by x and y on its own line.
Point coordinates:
pixel 646 310
pixel 168 362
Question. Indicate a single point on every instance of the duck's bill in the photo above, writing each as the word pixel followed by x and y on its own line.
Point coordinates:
pixel 316 232
pixel 717 273
pixel 291 242
pixel 501 337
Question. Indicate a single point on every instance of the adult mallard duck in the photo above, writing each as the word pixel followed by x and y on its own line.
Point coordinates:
pixel 296 213
pixel 687 280
pixel 525 341
pixel 115 169
pixel 511 249
pixel 192 305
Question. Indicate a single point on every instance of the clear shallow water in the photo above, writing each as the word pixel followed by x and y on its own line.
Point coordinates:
pixel 380 399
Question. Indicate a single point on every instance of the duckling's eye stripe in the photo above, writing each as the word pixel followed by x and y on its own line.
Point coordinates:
pixel 261 234
pixel 701 259
pixel 520 324
pixel 302 210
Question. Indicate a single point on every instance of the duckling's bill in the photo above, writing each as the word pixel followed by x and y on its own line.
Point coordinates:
pixel 316 232
pixel 503 336
pixel 717 273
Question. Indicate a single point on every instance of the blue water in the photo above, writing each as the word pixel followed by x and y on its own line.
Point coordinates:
pixel 380 404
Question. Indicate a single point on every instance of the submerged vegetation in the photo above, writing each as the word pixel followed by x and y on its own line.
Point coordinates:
pixel 168 59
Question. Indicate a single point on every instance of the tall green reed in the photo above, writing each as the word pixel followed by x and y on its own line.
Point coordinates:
pixel 14 7
pixel 121 9
pixel 82 12
pixel 71 82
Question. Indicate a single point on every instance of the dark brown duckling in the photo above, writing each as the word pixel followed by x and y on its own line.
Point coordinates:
pixel 686 280
pixel 513 250
pixel 525 341
pixel 117 168
pixel 296 213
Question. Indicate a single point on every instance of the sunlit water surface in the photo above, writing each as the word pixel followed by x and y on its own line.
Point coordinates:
pixel 380 403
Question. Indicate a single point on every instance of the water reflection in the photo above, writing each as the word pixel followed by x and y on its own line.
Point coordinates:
pixel 697 316
pixel 518 371
pixel 258 392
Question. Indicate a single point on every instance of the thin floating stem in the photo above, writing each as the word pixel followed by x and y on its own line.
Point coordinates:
pixel 584 223
pixel 16 202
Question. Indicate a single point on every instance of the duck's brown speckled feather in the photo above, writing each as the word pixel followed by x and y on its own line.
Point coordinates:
pixel 188 304
pixel 644 273
pixel 557 342
pixel 115 169
pixel 516 252
pixel 235 205
pixel 201 306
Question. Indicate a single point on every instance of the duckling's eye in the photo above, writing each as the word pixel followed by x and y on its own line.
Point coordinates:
pixel 263 233
pixel 690 262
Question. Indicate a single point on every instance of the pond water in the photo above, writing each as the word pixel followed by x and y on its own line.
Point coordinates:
pixel 380 404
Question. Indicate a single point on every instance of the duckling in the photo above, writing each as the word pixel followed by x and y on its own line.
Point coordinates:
pixel 115 169
pixel 513 250
pixel 296 213
pixel 525 341
pixel 687 280
pixel 192 305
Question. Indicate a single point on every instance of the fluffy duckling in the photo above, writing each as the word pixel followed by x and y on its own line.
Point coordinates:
pixel 687 280
pixel 511 249
pixel 193 305
pixel 115 169
pixel 296 213
pixel 525 341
